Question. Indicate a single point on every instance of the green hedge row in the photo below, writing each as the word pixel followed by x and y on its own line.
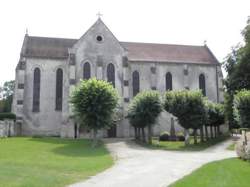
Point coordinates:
pixel 7 116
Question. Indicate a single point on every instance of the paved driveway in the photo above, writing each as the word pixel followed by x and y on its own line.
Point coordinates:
pixel 140 167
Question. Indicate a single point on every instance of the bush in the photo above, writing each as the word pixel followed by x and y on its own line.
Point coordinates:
pixel 4 116
pixel 164 136
pixel 242 108
pixel 180 136
pixel 243 149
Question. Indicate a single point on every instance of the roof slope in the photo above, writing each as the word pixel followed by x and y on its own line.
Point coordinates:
pixel 43 47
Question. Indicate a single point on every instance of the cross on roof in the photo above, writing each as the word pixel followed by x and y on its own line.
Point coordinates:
pixel 99 15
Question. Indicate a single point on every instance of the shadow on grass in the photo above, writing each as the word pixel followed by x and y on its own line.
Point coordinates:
pixel 73 147
pixel 180 146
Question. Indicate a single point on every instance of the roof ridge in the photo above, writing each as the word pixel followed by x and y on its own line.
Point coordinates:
pixel 44 37
pixel 163 44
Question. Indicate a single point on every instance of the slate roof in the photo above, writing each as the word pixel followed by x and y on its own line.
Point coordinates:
pixel 43 47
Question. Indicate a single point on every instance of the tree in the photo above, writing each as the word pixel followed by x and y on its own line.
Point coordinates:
pixel 237 65
pixel 242 108
pixel 6 95
pixel 143 112
pixel 189 108
pixel 94 104
pixel 216 117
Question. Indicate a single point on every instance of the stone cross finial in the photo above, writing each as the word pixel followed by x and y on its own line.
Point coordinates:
pixel 26 31
pixel 99 15
pixel 205 42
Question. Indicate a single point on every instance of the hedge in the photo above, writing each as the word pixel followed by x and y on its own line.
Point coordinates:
pixel 6 115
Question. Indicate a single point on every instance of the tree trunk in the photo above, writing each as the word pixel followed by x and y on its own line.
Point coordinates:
pixel 202 134
pixel 136 134
pixel 95 140
pixel 218 130
pixel 139 133
pixel 143 135
pixel 215 132
pixel 195 136
pixel 149 134
pixel 211 132
pixel 186 132
pixel 206 132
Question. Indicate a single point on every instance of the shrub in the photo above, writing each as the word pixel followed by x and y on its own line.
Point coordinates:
pixel 164 136
pixel 180 136
pixel 4 116
pixel 243 147
pixel 242 108
pixel 94 103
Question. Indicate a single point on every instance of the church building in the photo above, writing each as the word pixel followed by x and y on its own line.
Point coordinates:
pixel 50 68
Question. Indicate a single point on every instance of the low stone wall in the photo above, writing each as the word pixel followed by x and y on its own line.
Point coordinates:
pixel 7 128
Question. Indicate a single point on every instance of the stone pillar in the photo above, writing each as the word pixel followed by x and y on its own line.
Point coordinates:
pixel 185 72
pixel 153 77
pixel 125 126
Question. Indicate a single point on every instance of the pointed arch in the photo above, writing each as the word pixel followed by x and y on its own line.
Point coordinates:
pixel 136 82
pixel 36 90
pixel 202 84
pixel 169 83
pixel 59 89
pixel 86 70
pixel 111 74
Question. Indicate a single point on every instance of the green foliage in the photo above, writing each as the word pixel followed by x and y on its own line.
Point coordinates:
pixel 144 109
pixel 6 96
pixel 242 108
pixel 7 116
pixel 237 66
pixel 187 106
pixel 94 103
pixel 215 113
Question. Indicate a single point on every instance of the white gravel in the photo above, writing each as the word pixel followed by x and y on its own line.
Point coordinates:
pixel 140 167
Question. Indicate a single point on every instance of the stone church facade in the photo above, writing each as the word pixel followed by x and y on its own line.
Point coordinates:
pixel 50 68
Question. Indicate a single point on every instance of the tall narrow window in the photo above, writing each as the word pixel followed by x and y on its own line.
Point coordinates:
pixel 169 85
pixel 202 84
pixel 136 82
pixel 59 89
pixel 111 74
pixel 86 71
pixel 36 90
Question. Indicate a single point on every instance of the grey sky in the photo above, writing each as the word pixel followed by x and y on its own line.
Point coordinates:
pixel 159 21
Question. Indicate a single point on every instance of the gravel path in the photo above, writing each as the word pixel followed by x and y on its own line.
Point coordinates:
pixel 141 167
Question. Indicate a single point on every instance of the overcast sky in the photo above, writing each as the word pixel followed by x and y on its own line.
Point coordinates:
pixel 219 22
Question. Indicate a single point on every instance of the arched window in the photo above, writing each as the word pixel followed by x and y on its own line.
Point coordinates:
pixel 111 74
pixel 36 90
pixel 169 81
pixel 202 84
pixel 136 82
pixel 86 71
pixel 59 89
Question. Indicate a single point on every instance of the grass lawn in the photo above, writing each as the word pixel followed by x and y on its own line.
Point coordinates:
pixel 180 145
pixel 225 173
pixel 43 162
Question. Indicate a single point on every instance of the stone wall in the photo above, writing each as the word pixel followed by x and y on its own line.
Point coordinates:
pixel 7 128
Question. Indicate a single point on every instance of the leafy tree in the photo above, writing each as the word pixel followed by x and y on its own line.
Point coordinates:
pixel 216 117
pixel 6 93
pixel 242 108
pixel 237 66
pixel 94 104
pixel 189 108
pixel 144 110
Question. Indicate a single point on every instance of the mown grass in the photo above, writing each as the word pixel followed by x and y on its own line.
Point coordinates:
pixel 44 162
pixel 225 173
pixel 180 145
